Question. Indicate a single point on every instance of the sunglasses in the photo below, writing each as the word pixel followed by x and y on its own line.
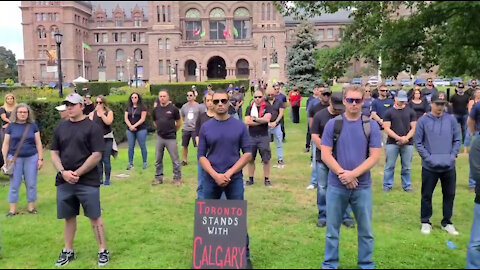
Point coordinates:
pixel 270 95
pixel 327 94
pixel 258 96
pixel 99 102
pixel 368 91
pixel 429 81
pixel 223 100
pixel 383 90
pixel 356 100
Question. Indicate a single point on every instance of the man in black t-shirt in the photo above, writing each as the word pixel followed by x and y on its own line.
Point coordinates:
pixel 166 119
pixel 76 150
pixel 274 128
pixel 319 122
pixel 459 103
pixel 89 106
pixel 399 123
pixel 257 117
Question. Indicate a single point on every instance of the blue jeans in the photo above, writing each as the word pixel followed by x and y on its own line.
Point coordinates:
pixel 201 177
pixel 314 178
pixel 361 202
pixel 391 154
pixel 278 135
pixel 233 191
pixel 104 164
pixel 322 180
pixel 473 251
pixel 25 167
pixel 141 137
pixel 462 120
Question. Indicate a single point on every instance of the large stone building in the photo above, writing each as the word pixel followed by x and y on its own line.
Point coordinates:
pixel 165 41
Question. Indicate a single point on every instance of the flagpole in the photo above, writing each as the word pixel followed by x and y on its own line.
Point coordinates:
pixel 83 61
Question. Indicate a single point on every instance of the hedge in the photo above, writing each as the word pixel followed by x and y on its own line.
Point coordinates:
pixel 9 88
pixel 99 88
pixel 178 91
pixel 47 117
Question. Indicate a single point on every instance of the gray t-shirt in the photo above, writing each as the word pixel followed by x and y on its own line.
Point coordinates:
pixel 190 114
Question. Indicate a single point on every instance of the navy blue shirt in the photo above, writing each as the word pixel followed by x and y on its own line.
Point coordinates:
pixel 475 115
pixel 381 106
pixel 351 148
pixel 29 148
pixel 220 142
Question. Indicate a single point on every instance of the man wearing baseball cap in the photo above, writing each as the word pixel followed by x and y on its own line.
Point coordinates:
pixel 62 109
pixel 437 139
pixel 89 106
pixel 76 150
pixel 399 123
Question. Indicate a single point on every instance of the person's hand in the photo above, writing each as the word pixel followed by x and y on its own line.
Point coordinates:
pixel 132 128
pixel 70 177
pixel 220 179
pixel 228 175
pixel 347 177
pixel 39 164
pixel 272 124
pixel 352 185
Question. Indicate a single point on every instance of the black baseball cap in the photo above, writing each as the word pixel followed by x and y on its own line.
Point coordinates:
pixel 337 101
pixel 439 97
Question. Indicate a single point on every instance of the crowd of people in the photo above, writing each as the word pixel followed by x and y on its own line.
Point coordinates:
pixel 346 132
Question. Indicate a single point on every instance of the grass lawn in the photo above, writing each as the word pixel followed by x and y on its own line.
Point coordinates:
pixel 152 227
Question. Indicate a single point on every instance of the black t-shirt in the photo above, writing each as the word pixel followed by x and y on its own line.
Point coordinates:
pixel 75 142
pixel 260 130
pixel 88 109
pixel 3 111
pixel 202 119
pixel 400 122
pixel 134 115
pixel 318 107
pixel 165 118
pixel 420 109
pixel 276 106
pixel 106 128
pixel 460 103
pixel 320 120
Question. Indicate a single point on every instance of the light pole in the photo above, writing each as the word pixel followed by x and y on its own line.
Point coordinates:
pixel 169 72
pixel 200 69
pixel 58 40
pixel 128 69
pixel 176 69
pixel 136 73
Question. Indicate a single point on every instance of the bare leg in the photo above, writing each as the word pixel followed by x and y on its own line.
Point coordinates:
pixel 31 206
pixel 13 207
pixel 185 153
pixel 70 229
pixel 251 168
pixel 266 169
pixel 98 231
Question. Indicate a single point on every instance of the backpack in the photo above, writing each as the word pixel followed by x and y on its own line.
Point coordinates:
pixel 337 130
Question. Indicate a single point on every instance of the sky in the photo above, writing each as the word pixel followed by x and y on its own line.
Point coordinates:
pixel 11 33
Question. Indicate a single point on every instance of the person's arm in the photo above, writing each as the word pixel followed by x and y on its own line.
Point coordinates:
pixel 280 115
pixel 38 144
pixel 89 164
pixel 4 118
pixel 143 116
pixel 471 125
pixel 127 121
pixel 178 124
pixel 69 176
pixel 5 147
pixel 317 140
pixel 249 121
pixel 387 127
pixel 107 119
pixel 239 165
pixel 418 140
pixel 410 134
pixel 265 119
pixel 375 117
pixel 457 141
pixel 329 160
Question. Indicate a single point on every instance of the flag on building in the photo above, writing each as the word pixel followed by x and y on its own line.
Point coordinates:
pixel 203 33
pixel 196 32
pixel 225 33
pixel 85 46
pixel 235 32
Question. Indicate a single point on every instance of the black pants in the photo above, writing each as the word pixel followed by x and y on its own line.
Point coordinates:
pixel 448 180
pixel 282 127
pixel 308 139
pixel 296 114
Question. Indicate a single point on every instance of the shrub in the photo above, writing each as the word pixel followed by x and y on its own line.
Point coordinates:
pixel 99 88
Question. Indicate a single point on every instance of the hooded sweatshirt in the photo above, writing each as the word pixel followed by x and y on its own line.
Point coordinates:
pixel 437 140
pixel 475 167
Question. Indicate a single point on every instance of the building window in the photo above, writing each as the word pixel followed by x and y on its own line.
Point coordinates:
pixel 167 44
pixel 138 54
pixel 44 16
pixel 330 33
pixel 115 37
pixel 264 65
pixel 119 55
pixel 321 34
pixel 263 12
pixel 118 21
pixel 169 67
pixel 50 17
pixel 274 13
pixel 264 42
pixel 41 32
pixel 134 37
pixel 158 13
pixel 164 19
pixel 160 67
pixel 105 37
pixel 169 16
pixel 243 69
pixel 120 73
pixel 43 71
pixel 217 24
pixel 142 37
pixel 340 33
pixel 53 30
pixel 192 13
pixel 138 22
pixel 160 44
pixel 268 11
pixel 241 23
pixel 96 37
pixel 272 42
pixel 39 17
pixel 193 30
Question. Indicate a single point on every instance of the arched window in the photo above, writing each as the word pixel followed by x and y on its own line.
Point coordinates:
pixel 241 23
pixel 272 42
pixel 193 24
pixel 167 44
pixel 263 12
pixel 268 11
pixel 274 13
pixel 53 30
pixel 119 56
pixel 138 54
pixel 264 42
pixel 243 70
pixel 41 32
pixel 160 44
pixel 217 24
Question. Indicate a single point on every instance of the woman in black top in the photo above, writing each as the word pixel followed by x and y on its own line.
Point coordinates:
pixel 417 103
pixel 103 116
pixel 6 110
pixel 135 115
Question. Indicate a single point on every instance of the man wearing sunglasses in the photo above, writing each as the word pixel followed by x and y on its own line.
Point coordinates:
pixel 189 112
pixel 437 139
pixel 257 117
pixel 380 106
pixel 350 158
pixel 429 90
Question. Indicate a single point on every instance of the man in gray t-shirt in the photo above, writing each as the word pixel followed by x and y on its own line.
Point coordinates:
pixel 189 112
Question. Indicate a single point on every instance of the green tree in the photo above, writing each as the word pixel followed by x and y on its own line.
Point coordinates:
pixel 302 71
pixel 8 65
pixel 434 33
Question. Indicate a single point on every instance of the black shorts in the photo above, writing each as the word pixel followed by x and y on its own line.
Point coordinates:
pixel 262 144
pixel 69 198
pixel 186 135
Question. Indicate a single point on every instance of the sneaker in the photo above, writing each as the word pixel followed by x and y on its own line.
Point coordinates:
pixel 184 163
pixel 144 165
pixel 10 214
pixel 106 183
pixel 409 190
pixel 426 228
pixel 103 257
pixel 386 189
pixel 310 187
pixel 129 167
pixel 349 224
pixel 450 229
pixel 33 211
pixel 65 257
pixel 249 183
pixel 268 183
pixel 306 150
pixel 280 164
pixel 321 223
pixel 157 182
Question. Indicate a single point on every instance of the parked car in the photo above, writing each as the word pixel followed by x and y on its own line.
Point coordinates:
pixel 405 82
pixel 356 81
pixel 373 80
pixel 455 81
pixel 440 82
pixel 134 84
pixel 389 82
pixel 420 81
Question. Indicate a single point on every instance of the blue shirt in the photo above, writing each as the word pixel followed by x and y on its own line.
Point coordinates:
pixel 281 97
pixel 220 142
pixel 351 148
pixel 475 115
pixel 29 148
pixel 381 106
pixel 311 102
pixel 367 106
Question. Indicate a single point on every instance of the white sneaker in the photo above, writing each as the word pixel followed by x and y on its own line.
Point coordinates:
pixel 311 187
pixel 450 229
pixel 426 228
